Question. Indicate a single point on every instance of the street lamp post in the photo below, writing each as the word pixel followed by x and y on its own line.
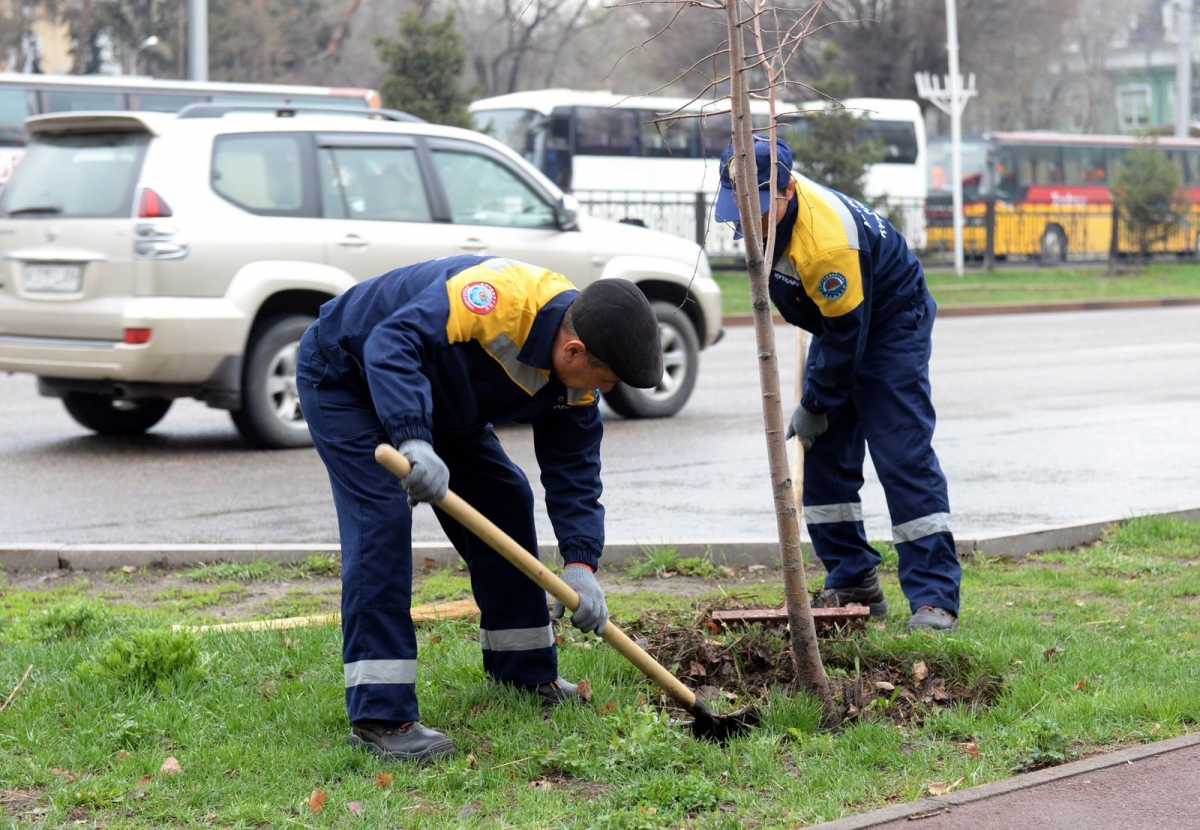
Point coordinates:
pixel 951 98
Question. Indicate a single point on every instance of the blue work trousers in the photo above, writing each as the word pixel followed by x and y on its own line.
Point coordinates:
pixel 379 649
pixel 890 413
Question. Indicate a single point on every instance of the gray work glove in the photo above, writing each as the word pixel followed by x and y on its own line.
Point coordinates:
pixel 807 426
pixel 592 613
pixel 430 478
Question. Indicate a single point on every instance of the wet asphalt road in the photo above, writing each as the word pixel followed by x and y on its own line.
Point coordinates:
pixel 1044 420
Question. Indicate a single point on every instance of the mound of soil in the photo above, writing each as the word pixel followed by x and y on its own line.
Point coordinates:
pixel 741 666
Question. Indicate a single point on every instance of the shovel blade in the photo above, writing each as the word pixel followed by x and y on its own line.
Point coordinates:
pixel 709 726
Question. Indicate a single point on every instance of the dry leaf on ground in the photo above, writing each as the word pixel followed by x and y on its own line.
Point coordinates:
pixel 170 766
pixel 355 807
pixel 384 780
pixel 316 801
pixel 472 761
pixel 920 671
pixel 972 749
pixel 585 690
pixel 541 784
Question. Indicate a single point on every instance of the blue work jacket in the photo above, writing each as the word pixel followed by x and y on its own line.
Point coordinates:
pixel 840 269
pixel 453 345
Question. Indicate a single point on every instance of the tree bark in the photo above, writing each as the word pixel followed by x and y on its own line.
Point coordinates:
pixel 806 653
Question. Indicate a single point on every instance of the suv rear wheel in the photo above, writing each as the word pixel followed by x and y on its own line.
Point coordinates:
pixel 107 415
pixel 270 415
pixel 681 364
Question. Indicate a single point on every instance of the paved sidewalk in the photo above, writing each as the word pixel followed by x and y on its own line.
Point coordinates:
pixel 1148 787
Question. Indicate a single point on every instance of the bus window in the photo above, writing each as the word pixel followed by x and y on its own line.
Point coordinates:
pixel 667 138
pixel 163 101
pixel 1115 159
pixel 1040 166
pixel 68 100
pixel 605 131
pixel 714 134
pixel 14 109
pixel 512 127
pixel 1007 162
pixel 897 138
pixel 1084 165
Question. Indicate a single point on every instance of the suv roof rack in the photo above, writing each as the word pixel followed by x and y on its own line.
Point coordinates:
pixel 291 111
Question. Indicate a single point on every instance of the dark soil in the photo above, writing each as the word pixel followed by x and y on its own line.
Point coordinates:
pixel 739 667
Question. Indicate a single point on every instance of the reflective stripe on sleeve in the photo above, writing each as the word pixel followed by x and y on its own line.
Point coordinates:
pixel 922 527
pixel 362 672
pixel 823 514
pixel 516 639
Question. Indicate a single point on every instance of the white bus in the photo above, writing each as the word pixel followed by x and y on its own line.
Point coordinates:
pixel 24 95
pixel 611 151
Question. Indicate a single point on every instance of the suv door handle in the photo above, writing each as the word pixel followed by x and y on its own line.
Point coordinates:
pixel 473 244
pixel 353 240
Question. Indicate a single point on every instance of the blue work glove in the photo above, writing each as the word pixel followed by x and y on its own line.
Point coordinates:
pixel 592 613
pixel 430 478
pixel 807 426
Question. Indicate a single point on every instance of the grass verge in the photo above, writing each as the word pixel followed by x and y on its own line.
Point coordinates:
pixel 1096 648
pixel 1022 286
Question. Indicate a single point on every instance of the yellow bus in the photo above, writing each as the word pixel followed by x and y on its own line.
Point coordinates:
pixel 1053 199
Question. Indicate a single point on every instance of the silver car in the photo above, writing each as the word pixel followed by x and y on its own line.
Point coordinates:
pixel 152 256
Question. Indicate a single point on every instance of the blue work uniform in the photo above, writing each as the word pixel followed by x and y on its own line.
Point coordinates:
pixel 843 273
pixel 441 351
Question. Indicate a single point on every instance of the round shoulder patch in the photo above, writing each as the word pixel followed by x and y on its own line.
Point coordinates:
pixel 832 285
pixel 479 297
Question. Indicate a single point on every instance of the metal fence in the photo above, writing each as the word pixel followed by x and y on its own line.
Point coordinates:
pixel 1047 234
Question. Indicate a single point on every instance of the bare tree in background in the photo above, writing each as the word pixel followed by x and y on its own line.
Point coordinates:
pixel 517 44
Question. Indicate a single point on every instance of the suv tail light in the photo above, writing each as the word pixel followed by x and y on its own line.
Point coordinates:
pixel 152 206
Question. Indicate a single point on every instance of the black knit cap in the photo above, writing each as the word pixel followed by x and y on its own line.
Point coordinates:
pixel 614 320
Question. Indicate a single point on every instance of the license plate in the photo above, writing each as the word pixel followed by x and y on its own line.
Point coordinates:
pixel 53 279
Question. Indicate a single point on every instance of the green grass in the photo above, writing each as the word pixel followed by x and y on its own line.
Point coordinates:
pixel 1007 286
pixel 666 561
pixel 1097 648
pixel 257 571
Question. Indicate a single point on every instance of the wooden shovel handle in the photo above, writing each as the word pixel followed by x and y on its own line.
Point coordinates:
pixel 527 563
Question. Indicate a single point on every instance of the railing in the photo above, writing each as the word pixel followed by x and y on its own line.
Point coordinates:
pixel 1047 234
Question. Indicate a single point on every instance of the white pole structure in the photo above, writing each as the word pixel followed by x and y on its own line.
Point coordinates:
pixel 951 98
pixel 955 131
pixel 1183 71
pixel 197 32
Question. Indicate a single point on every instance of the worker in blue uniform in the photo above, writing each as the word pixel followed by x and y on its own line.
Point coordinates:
pixel 429 357
pixel 843 273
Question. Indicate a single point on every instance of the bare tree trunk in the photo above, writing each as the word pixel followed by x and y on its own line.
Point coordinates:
pixel 806 654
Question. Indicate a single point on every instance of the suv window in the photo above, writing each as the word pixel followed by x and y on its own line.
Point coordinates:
pixel 261 173
pixel 482 191
pixel 382 183
pixel 90 175
pixel 62 100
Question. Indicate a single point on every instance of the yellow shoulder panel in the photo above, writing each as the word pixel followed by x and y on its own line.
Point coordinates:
pixel 494 303
pixel 834 282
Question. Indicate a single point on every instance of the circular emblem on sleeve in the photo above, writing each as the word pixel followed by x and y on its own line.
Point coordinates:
pixel 832 286
pixel 479 297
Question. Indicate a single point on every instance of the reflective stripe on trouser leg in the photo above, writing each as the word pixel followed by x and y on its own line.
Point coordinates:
pixel 515 632
pixel 379 648
pixel 832 511
pixel 894 395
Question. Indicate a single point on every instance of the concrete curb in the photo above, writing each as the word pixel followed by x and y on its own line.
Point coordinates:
pixel 933 806
pixel 48 557
pixel 1016 308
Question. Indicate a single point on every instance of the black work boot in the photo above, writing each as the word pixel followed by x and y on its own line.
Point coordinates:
pixel 408 741
pixel 557 692
pixel 867 592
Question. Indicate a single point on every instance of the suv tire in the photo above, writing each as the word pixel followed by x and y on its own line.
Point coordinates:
pixel 107 415
pixel 270 416
pixel 681 364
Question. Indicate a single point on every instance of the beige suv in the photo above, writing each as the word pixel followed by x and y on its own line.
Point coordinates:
pixel 152 256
